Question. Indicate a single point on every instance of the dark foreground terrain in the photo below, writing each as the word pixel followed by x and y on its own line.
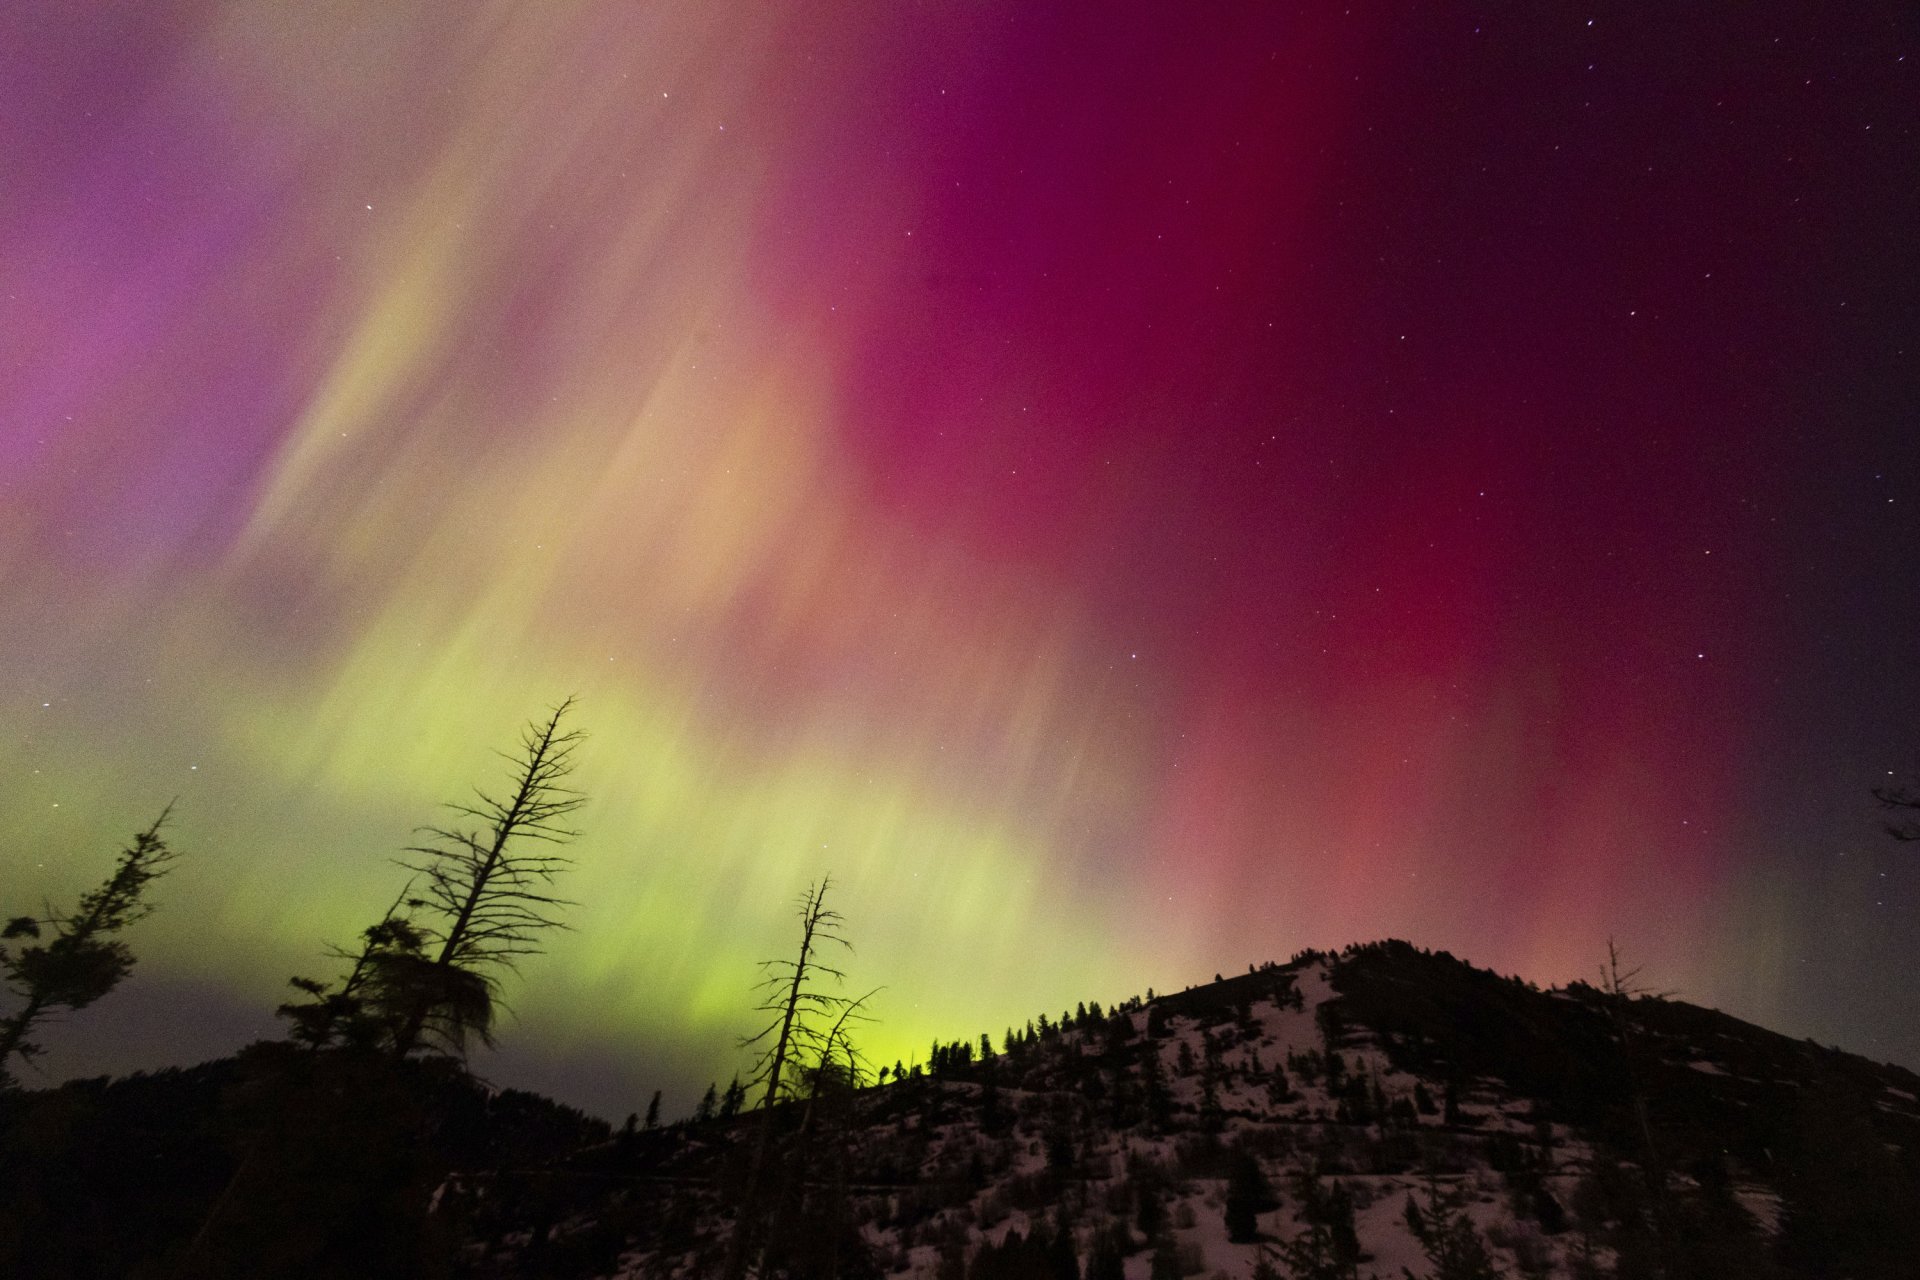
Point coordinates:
pixel 1380 1112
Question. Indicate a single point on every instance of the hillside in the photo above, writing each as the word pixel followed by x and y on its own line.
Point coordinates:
pixel 1567 1133
pixel 1379 1112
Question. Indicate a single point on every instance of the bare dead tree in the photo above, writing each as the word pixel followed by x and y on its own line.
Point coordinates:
pixel 800 1029
pixel 485 895
pixel 828 1068
pixel 832 1080
pixel 1621 987
pixel 791 993
pixel 83 960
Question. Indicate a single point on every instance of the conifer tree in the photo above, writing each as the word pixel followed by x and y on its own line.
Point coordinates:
pixel 1453 1245
pixel 356 1014
pixel 83 960
pixel 1327 1246
pixel 1416 1221
pixel 485 897
pixel 1212 1117
pixel 1249 1195
pixel 1153 1087
pixel 1279 1090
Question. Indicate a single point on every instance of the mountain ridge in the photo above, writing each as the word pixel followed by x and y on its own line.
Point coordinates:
pixel 1600 1132
pixel 1382 1111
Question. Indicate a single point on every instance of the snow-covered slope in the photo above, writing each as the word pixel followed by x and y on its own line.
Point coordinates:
pixel 1383 1112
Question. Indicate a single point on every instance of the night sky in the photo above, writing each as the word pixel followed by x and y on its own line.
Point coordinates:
pixel 1129 489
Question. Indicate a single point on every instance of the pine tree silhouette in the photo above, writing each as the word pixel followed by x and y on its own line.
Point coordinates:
pixel 83 960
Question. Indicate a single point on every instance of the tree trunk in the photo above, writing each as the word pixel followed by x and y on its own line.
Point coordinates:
pixel 16 1029
pixel 737 1247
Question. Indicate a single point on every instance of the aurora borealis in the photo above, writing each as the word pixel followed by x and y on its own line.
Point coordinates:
pixel 1129 489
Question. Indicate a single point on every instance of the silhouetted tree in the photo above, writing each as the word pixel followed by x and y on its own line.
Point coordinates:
pixel 812 1230
pixel 653 1112
pixel 1044 1254
pixel 358 1013
pixel 1453 1245
pixel 1248 1196
pixel 1212 1118
pixel 1904 799
pixel 1279 1090
pixel 1327 1246
pixel 485 899
pixel 83 960
pixel 1416 1220
pixel 805 1016
pixel 1619 989
pixel 799 1007
pixel 1153 1087
pixel 709 1103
